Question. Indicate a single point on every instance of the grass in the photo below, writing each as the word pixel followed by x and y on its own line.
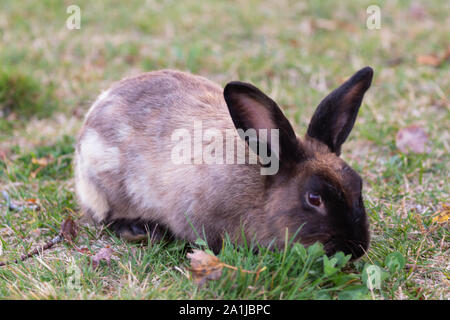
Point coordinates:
pixel 296 52
pixel 23 96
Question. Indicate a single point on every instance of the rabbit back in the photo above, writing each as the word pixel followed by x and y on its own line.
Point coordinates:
pixel 123 165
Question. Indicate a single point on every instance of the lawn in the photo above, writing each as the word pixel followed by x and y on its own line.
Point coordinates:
pixel 297 52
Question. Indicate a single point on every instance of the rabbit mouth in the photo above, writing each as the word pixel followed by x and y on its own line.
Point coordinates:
pixel 331 245
pixel 356 248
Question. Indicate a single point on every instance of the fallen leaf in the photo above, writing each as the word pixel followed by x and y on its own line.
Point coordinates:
pixel 83 250
pixel 294 43
pixel 44 161
pixel 204 266
pixel 442 216
pixel 69 229
pixel 433 59
pixel 103 254
pixel 428 59
pixel 411 139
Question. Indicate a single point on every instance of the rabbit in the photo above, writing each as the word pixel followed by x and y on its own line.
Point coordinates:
pixel 126 177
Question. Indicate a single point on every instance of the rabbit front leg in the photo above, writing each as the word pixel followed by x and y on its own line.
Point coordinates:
pixel 138 230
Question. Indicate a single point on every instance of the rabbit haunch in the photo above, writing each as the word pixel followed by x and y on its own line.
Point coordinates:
pixel 126 177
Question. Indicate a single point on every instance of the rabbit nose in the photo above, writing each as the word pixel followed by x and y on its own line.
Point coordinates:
pixel 357 252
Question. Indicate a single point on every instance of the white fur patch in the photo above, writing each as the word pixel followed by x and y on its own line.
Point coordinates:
pixel 139 184
pixel 96 155
pixel 89 195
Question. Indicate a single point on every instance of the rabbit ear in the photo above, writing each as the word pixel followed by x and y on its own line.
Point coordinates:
pixel 250 108
pixel 336 114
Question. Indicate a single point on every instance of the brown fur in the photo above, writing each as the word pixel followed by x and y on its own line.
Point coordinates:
pixel 125 176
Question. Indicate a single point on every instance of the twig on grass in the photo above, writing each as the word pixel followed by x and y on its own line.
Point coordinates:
pixel 67 232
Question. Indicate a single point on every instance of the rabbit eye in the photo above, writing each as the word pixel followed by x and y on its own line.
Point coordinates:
pixel 314 199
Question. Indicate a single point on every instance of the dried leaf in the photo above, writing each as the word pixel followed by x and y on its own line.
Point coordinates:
pixel 69 229
pixel 103 254
pixel 442 216
pixel 204 266
pixel 83 250
pixel 433 59
pixel 411 139
pixel 428 59
pixel 44 161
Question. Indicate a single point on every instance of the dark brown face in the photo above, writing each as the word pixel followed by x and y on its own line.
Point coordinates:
pixel 315 191
pixel 331 206
pixel 321 201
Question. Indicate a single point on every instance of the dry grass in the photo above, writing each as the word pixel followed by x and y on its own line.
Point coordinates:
pixel 296 52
